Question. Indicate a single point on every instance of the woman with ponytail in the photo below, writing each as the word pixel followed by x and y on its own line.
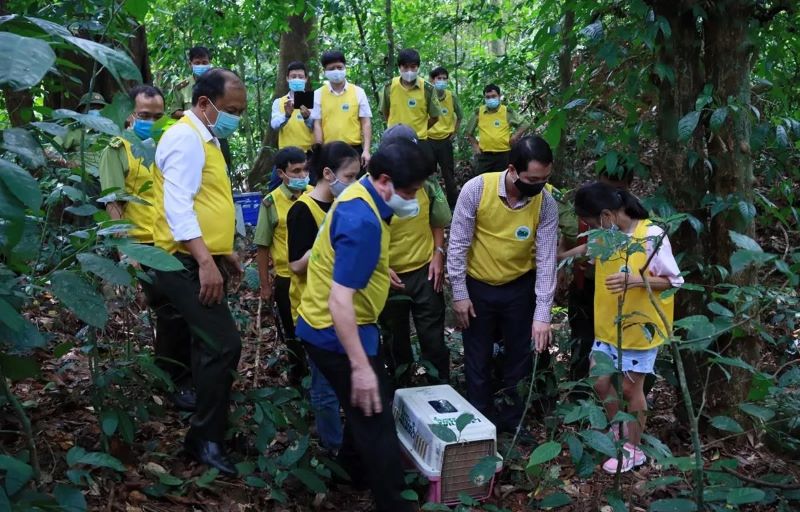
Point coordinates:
pixel 619 274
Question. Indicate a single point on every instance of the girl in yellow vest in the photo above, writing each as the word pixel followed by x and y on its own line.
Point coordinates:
pixel 348 282
pixel 335 166
pixel 619 263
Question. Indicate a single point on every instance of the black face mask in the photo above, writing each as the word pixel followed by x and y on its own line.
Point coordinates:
pixel 529 189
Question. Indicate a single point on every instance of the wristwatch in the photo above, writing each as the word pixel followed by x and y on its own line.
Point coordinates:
pixel 440 250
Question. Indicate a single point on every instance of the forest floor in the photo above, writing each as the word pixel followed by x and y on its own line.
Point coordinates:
pixel 59 403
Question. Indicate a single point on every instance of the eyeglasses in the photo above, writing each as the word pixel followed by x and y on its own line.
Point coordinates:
pixel 148 116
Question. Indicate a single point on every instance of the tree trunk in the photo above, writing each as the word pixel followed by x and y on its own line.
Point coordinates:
pixel 296 43
pixel 497 46
pixel 390 51
pixel 362 33
pixel 728 60
pixel 565 80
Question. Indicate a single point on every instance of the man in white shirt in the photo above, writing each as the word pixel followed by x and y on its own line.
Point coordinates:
pixel 341 110
pixel 195 222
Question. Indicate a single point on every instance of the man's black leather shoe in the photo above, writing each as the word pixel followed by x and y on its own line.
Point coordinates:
pixel 184 400
pixel 211 454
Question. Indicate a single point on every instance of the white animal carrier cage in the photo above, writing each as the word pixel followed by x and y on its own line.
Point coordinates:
pixel 446 464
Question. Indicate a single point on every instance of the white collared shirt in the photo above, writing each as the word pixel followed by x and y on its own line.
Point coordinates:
pixel 363 104
pixel 181 157
pixel 278 117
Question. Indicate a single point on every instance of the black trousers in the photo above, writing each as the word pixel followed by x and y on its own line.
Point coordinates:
pixel 491 161
pixel 509 306
pixel 581 323
pixel 443 156
pixel 370 449
pixel 172 346
pixel 215 346
pixel 297 358
pixel 427 308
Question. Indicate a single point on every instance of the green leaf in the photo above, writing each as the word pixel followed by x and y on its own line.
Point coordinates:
pixel 719 309
pixel 673 505
pixel 687 124
pixel 21 184
pixel 744 495
pixel 69 498
pixel 557 499
pixel 744 242
pixel 742 259
pixel 757 411
pixel 256 482
pixel 663 481
pixel 737 362
pixel 206 479
pixel 726 423
pixel 411 495
pixel 482 472
pixel 98 123
pixel 18 367
pixel 294 452
pixel 11 317
pixel 759 386
pixel 169 480
pixel 137 8
pixel 660 448
pixel 463 420
pixel 23 143
pixel 579 102
pixel 575 448
pixel 117 62
pixel 600 442
pixel 79 296
pixel 544 453
pixel 104 268
pixel 109 420
pixel 435 507
pixel 18 473
pixel 152 257
pixel 119 110
pixel 54 129
pixel 603 365
pixel 717 118
pixel 781 137
pixel 23 61
pixel 77 455
pixel 443 432
pixel 23 341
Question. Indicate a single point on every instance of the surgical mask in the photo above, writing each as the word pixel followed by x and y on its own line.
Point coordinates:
pixel 297 84
pixel 528 189
pixel 143 128
pixel 440 85
pixel 409 76
pixel 226 124
pixel 297 184
pixel 336 76
pixel 403 207
pixel 94 113
pixel 492 103
pixel 337 187
pixel 199 69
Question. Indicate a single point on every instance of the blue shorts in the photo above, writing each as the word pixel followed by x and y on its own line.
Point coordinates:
pixel 639 361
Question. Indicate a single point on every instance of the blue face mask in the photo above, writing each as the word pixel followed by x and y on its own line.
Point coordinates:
pixel 199 69
pixel 226 124
pixel 492 103
pixel 297 84
pixel 297 184
pixel 403 207
pixel 440 85
pixel 336 76
pixel 337 187
pixel 143 129
pixel 94 113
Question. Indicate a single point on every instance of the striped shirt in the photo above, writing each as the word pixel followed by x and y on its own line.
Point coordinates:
pixel 462 230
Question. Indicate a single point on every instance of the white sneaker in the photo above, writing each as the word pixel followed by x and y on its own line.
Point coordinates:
pixel 632 456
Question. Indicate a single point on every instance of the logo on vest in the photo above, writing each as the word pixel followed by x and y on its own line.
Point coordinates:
pixel 625 269
pixel 412 103
pixel 345 107
pixel 299 116
pixel 522 233
pixel 444 111
pixel 497 123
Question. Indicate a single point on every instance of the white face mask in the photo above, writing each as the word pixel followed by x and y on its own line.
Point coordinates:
pixel 336 76
pixel 409 76
pixel 403 207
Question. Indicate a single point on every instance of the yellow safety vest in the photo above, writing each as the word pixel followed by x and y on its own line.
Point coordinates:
pixel 408 106
pixel 279 250
pixel 446 124
pixel 340 119
pixel 504 244
pixel 295 132
pixel 494 133
pixel 213 204
pixel 368 302
pixel 411 245
pixel 298 283
pixel 637 311
pixel 139 183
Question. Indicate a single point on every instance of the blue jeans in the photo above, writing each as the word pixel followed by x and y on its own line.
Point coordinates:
pixel 326 410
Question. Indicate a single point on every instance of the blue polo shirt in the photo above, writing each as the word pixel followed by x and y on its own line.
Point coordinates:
pixel 356 240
